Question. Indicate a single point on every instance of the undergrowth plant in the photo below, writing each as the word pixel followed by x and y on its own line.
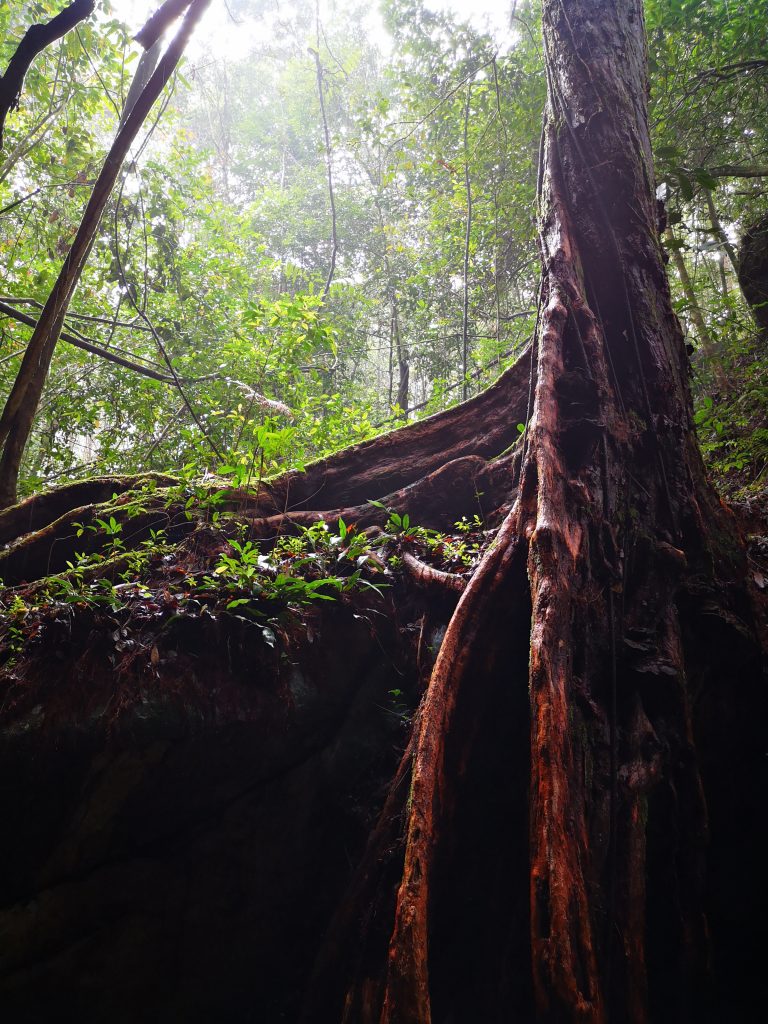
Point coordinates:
pixel 321 562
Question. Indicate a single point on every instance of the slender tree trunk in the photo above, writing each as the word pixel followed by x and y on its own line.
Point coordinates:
pixel 328 155
pixel 467 237
pixel 403 366
pixel 705 338
pixel 753 272
pixel 397 346
pixel 719 233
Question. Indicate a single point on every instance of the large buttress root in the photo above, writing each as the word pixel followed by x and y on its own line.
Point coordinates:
pixel 484 426
pixel 451 464
pixel 407 995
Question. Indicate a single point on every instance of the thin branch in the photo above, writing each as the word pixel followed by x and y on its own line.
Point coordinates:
pixel 140 311
pixel 31 139
pixel 739 171
pixel 14 300
pixel 41 188
pixel 729 71
pixel 177 381
pixel 719 232
pixel 706 342
pixel 100 80
pixel 86 346
pixel 451 92
pixel 13 355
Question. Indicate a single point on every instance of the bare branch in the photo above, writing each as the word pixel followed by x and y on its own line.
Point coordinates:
pixel 739 171
pixel 728 71
pixel 86 346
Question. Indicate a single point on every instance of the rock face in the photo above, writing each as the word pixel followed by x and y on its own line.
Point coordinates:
pixel 180 820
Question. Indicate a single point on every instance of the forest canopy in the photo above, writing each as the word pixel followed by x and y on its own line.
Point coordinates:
pixel 329 228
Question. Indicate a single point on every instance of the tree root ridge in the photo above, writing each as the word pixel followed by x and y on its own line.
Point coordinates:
pixel 407 994
pixel 484 426
pixel 41 510
pixel 427 577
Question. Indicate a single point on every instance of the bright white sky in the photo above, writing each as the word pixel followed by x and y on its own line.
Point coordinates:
pixel 219 34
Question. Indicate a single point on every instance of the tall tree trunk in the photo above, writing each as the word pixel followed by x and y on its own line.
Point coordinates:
pixel 403 366
pixel 618 545
pixel 718 231
pixel 753 272
pixel 467 239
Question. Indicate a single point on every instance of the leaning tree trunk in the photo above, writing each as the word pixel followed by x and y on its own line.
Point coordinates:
pixel 541 851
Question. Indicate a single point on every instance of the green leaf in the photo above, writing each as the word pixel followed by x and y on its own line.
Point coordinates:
pixel 685 183
pixel 703 177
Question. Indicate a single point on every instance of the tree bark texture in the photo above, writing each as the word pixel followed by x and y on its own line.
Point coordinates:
pixel 560 838
pixel 753 272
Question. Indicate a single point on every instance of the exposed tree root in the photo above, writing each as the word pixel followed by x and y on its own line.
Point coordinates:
pixel 435 489
pixel 435 501
pixel 406 997
pixel 41 510
pixel 428 578
pixel 48 549
pixel 484 426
